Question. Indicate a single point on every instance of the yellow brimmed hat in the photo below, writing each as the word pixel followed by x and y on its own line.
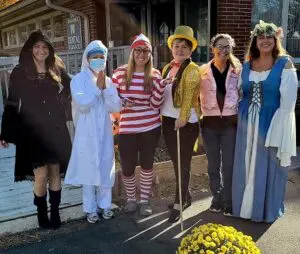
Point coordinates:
pixel 183 32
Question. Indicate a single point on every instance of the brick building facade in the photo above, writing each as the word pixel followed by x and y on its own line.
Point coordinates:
pixel 116 21
pixel 234 18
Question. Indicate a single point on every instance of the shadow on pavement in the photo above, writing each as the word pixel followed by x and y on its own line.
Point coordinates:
pixel 134 234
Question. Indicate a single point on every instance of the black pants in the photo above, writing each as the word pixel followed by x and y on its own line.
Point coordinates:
pixel 219 144
pixel 142 145
pixel 188 136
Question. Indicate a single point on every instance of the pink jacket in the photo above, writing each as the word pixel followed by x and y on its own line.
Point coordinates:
pixel 208 89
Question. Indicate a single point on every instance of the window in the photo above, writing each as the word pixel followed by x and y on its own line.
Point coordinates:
pixel 46 27
pixel 163 33
pixel 194 13
pixel 283 13
pixel 293 29
pixel 23 34
pixel 31 27
pixel 51 25
pixel 268 11
pixel 10 38
pixel 58 26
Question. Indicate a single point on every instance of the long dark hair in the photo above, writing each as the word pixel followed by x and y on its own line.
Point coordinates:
pixel 54 65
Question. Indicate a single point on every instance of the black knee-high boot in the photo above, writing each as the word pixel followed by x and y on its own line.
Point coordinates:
pixel 42 213
pixel 54 200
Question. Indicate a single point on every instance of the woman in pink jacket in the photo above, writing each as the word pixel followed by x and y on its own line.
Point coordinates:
pixel 219 102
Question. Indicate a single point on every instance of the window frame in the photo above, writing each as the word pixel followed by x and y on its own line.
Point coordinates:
pixel 38 23
pixel 284 25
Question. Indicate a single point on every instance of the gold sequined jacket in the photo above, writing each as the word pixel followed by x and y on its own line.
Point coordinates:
pixel 187 91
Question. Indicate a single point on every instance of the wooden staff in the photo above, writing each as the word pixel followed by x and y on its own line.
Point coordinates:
pixel 179 178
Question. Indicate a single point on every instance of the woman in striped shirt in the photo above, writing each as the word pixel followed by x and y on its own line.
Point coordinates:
pixel 141 90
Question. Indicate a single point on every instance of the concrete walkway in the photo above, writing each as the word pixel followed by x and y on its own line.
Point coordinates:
pixel 133 234
pixel 16 207
pixel 16 198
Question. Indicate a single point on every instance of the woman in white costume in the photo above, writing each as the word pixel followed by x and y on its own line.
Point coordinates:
pixel 92 162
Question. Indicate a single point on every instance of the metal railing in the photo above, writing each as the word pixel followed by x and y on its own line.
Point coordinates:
pixel 117 56
pixel 293 46
pixel 72 60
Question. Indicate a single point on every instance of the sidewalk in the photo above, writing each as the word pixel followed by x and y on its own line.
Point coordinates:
pixel 17 212
pixel 135 235
pixel 131 234
pixel 16 198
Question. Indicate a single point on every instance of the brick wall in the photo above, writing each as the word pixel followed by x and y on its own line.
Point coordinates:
pixel 234 18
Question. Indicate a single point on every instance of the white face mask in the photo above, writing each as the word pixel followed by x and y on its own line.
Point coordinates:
pixel 97 64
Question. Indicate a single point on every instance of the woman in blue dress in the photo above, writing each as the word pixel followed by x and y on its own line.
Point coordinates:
pixel 266 135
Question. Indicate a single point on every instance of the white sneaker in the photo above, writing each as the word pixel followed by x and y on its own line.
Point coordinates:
pixel 92 217
pixel 107 214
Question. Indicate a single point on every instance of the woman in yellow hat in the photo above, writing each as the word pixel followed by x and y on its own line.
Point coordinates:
pixel 181 109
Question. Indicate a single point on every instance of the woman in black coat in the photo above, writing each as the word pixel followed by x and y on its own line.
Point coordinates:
pixel 35 118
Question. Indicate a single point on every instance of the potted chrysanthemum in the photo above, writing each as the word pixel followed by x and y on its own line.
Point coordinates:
pixel 217 239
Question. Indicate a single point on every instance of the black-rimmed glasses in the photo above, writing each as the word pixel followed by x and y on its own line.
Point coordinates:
pixel 140 51
pixel 222 47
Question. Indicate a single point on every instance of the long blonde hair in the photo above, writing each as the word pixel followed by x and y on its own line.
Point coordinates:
pixel 233 60
pixel 148 79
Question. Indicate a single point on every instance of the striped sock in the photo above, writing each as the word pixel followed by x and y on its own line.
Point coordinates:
pixel 146 183
pixel 130 186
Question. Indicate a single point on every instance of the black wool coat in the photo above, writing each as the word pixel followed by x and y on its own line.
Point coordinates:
pixel 34 119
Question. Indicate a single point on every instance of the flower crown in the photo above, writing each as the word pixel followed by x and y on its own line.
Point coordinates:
pixel 269 29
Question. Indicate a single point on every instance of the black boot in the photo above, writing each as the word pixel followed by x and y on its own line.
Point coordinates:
pixel 187 204
pixel 54 200
pixel 41 203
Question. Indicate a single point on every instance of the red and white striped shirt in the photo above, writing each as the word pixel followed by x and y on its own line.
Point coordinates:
pixel 144 114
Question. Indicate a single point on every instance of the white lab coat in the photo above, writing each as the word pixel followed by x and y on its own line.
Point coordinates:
pixel 92 160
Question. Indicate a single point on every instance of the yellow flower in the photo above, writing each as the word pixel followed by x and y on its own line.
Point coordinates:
pixel 214 235
pixel 216 238
pixel 200 238
pixel 208 238
pixel 229 244
pixel 212 244
pixel 223 248
pixel 206 244
pixel 237 251
pixel 221 235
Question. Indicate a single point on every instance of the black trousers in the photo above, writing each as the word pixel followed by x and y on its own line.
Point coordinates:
pixel 188 136
pixel 219 144
pixel 142 145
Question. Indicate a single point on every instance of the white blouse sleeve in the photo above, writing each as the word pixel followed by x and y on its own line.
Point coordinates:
pixel 282 131
pixel 111 97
